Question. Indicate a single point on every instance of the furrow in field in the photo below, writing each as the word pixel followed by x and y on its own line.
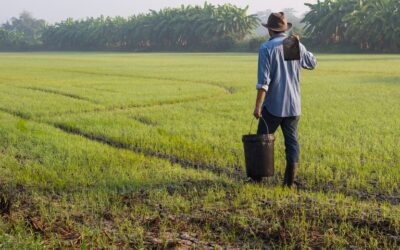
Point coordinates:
pixel 16 113
pixel 360 194
pixel 58 92
pixel 136 106
pixel 229 90
pixel 103 107
pixel 235 174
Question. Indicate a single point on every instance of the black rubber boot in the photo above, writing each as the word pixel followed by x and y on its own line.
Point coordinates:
pixel 290 173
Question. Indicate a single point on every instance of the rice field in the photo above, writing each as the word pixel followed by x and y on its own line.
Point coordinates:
pixel 144 151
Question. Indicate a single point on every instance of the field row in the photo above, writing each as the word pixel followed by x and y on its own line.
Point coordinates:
pixel 203 136
pixel 84 192
pixel 144 150
pixel 346 132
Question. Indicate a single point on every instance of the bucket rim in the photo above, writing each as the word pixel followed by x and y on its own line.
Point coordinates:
pixel 255 137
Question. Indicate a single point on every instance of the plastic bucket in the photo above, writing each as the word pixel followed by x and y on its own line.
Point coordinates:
pixel 259 154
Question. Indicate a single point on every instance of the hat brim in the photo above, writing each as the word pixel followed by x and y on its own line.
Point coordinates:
pixel 289 26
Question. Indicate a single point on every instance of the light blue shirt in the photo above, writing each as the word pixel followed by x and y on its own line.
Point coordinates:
pixel 280 78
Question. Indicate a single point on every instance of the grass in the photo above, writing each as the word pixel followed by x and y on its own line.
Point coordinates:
pixel 104 150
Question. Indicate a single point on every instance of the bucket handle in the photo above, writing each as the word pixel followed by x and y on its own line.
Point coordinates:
pixel 266 125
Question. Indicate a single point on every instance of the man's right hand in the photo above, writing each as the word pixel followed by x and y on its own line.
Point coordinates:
pixel 260 98
pixel 257 112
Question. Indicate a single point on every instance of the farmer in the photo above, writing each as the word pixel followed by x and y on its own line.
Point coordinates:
pixel 278 86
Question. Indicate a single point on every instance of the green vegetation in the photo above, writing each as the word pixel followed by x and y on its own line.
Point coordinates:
pixel 372 25
pixel 188 27
pixel 333 25
pixel 207 27
pixel 23 32
pixel 139 151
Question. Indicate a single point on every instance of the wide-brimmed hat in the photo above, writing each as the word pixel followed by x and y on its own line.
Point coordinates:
pixel 278 22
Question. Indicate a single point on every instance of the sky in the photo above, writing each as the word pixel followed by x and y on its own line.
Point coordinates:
pixel 57 10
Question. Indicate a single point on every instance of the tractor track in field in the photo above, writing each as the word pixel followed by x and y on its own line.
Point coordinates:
pixel 360 194
pixel 235 173
pixel 229 90
pixel 103 108
pixel 61 93
pixel 137 106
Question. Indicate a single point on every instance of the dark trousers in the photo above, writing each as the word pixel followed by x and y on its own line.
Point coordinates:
pixel 289 129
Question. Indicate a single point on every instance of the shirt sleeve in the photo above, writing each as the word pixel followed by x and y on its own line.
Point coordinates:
pixel 307 59
pixel 264 65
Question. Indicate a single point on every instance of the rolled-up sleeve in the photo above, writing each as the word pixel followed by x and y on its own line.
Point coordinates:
pixel 264 65
pixel 307 60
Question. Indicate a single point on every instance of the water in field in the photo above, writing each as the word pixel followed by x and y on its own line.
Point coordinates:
pixel 147 148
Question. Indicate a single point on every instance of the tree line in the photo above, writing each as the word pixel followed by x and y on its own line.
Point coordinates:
pixel 24 32
pixel 206 27
pixel 372 25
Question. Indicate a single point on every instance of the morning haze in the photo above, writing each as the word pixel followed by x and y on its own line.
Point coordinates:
pixel 54 11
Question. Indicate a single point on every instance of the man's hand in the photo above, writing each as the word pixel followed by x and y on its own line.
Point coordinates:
pixel 260 98
pixel 257 112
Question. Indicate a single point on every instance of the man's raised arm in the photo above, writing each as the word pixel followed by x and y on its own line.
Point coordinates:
pixel 307 59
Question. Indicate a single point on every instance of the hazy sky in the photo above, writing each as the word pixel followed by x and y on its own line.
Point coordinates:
pixel 56 10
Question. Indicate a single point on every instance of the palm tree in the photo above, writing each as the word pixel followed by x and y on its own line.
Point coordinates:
pixel 187 27
pixel 370 24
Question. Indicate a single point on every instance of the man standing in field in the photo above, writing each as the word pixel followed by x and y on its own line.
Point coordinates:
pixel 278 97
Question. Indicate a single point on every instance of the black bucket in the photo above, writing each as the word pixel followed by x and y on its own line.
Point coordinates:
pixel 259 154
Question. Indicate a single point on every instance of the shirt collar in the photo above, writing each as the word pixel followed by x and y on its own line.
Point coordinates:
pixel 278 35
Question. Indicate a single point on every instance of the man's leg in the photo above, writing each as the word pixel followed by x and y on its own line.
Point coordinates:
pixel 273 123
pixel 289 129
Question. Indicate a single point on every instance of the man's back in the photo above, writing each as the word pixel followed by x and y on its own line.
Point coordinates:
pixel 280 78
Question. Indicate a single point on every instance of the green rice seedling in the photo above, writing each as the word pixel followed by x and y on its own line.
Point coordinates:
pixel 120 150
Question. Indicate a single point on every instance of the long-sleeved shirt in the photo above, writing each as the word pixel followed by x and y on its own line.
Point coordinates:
pixel 280 78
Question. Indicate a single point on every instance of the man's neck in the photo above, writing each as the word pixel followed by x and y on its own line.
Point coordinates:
pixel 283 34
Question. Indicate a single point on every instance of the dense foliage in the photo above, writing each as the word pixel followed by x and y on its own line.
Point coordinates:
pixel 372 25
pixel 194 27
pixel 368 24
pixel 21 33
